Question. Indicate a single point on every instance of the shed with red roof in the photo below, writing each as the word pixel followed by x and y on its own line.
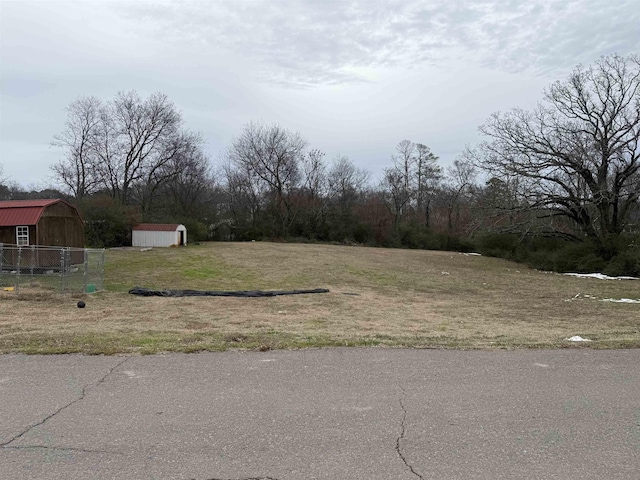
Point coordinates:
pixel 159 235
pixel 52 222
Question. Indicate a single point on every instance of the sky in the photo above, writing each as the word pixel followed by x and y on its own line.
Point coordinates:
pixel 354 78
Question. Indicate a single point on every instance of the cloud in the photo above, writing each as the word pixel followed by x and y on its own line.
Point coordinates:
pixel 355 77
pixel 300 43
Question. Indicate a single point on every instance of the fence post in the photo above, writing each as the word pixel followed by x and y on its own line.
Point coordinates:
pixel 62 270
pixel 102 269
pixel 86 271
pixel 18 268
pixel 1 255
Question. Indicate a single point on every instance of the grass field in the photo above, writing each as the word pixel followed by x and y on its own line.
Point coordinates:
pixel 377 297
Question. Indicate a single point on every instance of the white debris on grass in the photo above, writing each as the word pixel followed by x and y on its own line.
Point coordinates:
pixel 600 276
pixel 472 254
pixel 576 296
pixel 578 338
pixel 620 300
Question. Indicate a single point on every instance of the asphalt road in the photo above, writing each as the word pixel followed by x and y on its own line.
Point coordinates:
pixel 317 414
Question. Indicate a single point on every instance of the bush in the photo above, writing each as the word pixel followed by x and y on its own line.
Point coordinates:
pixel 196 231
pixel 625 263
pixel 562 255
pixel 591 263
pixel 362 233
pixel 498 245
pixel 107 222
pixel 420 237
pixel 569 256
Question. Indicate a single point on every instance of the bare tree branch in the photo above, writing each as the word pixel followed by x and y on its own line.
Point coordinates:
pixel 578 151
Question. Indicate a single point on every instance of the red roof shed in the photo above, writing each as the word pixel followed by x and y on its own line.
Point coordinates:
pixel 41 222
pixel 157 227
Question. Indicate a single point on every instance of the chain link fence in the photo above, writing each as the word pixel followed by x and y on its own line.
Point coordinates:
pixel 61 269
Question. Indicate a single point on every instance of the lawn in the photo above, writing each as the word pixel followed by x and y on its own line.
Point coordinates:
pixel 385 297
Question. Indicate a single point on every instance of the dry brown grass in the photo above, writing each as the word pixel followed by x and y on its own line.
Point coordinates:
pixel 404 297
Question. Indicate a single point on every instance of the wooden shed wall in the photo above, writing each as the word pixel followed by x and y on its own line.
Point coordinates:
pixel 61 226
pixel 8 234
pixel 61 232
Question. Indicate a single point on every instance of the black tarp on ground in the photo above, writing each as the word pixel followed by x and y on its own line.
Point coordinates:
pixel 145 292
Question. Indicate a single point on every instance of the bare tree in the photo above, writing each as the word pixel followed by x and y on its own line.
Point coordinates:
pixel 315 173
pixel 128 147
pixel 192 180
pixel 405 163
pixel 314 184
pixel 5 191
pixel 273 155
pixel 461 176
pixel 346 192
pixel 411 181
pixel 394 184
pixel 346 182
pixel 577 155
pixel 182 156
pixel 244 194
pixel 398 179
pixel 147 135
pixel 78 170
pixel 427 177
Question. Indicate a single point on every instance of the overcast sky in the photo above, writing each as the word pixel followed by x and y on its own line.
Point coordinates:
pixel 353 77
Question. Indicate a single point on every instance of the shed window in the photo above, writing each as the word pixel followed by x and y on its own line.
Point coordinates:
pixel 22 235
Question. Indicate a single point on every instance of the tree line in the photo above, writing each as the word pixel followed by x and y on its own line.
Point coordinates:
pixel 557 186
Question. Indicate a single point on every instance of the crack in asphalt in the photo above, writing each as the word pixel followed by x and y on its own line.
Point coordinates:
pixel 62 449
pixel 244 478
pixel 49 417
pixel 401 437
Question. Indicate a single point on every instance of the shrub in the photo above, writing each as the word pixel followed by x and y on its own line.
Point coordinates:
pixel 196 231
pixel 362 233
pixel 107 222
pixel 625 263
pixel 498 245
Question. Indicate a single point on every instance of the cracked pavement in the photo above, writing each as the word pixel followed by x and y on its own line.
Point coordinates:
pixel 329 413
pixel 7 443
pixel 401 438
